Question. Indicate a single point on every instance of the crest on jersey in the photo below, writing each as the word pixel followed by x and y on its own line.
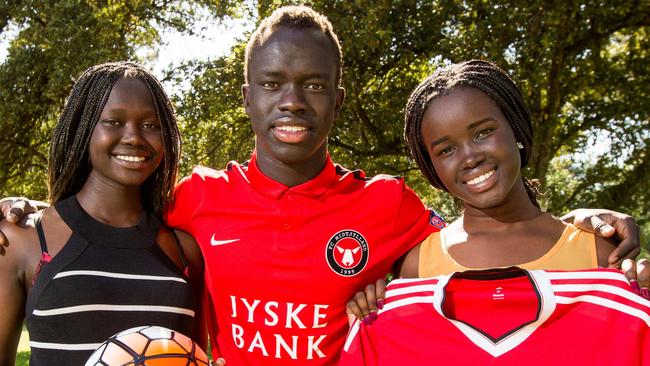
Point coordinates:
pixel 347 253
pixel 436 220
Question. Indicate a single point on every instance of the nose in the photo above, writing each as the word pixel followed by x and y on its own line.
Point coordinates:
pixel 472 156
pixel 293 99
pixel 132 134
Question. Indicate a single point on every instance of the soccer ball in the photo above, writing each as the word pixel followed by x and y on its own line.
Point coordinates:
pixel 148 346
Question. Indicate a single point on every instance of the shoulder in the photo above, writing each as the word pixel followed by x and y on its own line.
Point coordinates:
pixel 408 267
pixel 21 232
pixel 360 175
pixel 23 250
pixel 604 247
pixel 383 183
pixel 202 176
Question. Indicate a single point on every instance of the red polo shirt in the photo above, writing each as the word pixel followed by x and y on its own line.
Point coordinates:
pixel 281 262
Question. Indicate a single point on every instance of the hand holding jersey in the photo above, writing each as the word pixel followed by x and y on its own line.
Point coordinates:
pixel 506 317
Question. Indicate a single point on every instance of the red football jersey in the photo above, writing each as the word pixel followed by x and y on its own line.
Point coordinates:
pixel 506 317
pixel 281 262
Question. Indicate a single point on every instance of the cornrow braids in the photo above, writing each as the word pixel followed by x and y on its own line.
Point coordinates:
pixel 294 17
pixel 491 80
pixel 69 163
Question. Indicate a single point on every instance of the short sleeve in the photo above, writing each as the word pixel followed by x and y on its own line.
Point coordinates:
pixel 414 222
pixel 179 212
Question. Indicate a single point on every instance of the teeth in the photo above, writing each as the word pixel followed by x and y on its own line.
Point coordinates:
pixel 291 128
pixel 481 178
pixel 136 159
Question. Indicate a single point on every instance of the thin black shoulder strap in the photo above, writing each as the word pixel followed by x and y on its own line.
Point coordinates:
pixel 181 252
pixel 39 230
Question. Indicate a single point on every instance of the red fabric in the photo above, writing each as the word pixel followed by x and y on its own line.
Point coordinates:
pixel 45 259
pixel 275 297
pixel 596 320
pixel 510 303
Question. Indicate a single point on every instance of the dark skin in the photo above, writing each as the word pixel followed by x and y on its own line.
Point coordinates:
pixel 285 157
pixel 292 99
pixel 125 148
pixel 473 150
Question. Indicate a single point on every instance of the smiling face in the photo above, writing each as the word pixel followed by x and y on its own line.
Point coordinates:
pixel 126 146
pixel 472 147
pixel 292 98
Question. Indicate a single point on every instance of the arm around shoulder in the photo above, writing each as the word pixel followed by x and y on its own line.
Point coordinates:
pixel 13 289
pixel 604 247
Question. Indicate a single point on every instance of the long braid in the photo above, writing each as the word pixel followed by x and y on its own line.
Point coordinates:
pixel 491 80
pixel 69 164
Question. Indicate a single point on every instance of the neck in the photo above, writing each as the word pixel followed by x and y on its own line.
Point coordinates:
pixel 111 204
pixel 515 208
pixel 292 173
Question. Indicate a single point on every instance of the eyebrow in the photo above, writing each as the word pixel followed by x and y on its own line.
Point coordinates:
pixel 469 127
pixel 278 74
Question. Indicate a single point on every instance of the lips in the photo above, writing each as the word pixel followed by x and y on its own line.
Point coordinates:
pixel 290 131
pixel 131 158
pixel 480 179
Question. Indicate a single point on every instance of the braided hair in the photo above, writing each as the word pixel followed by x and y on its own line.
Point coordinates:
pixel 69 163
pixel 294 17
pixel 491 80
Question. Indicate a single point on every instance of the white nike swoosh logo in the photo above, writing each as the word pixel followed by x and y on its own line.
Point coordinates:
pixel 215 242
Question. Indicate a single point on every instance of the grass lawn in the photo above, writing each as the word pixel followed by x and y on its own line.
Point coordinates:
pixel 22 358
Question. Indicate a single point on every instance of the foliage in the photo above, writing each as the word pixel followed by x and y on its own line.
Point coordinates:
pixel 22 358
pixel 55 42
pixel 582 65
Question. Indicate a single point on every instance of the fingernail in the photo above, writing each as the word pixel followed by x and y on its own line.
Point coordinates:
pixel 635 286
pixel 373 315
pixel 380 304
pixel 606 229
pixel 645 293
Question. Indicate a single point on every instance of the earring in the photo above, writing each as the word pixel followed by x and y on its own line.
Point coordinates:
pixel 520 145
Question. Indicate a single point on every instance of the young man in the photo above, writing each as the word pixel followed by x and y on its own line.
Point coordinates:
pixel 289 237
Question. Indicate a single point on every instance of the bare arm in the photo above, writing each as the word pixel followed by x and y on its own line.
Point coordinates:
pixel 610 224
pixel 604 247
pixel 13 292
pixel 408 266
pixel 12 210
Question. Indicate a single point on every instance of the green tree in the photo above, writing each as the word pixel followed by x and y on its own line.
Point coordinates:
pixel 581 64
pixel 55 42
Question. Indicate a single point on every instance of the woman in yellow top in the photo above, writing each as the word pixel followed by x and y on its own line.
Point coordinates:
pixel 470 132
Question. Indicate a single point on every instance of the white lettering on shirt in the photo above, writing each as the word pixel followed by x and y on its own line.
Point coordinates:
pixel 251 309
pixel 293 315
pixel 257 320
pixel 271 313
pixel 293 351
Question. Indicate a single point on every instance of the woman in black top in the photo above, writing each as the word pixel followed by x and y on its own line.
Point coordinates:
pixel 98 261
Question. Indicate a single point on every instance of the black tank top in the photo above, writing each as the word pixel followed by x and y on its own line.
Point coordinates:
pixel 103 281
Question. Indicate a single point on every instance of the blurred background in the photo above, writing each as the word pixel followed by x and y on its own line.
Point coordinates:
pixel 583 66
